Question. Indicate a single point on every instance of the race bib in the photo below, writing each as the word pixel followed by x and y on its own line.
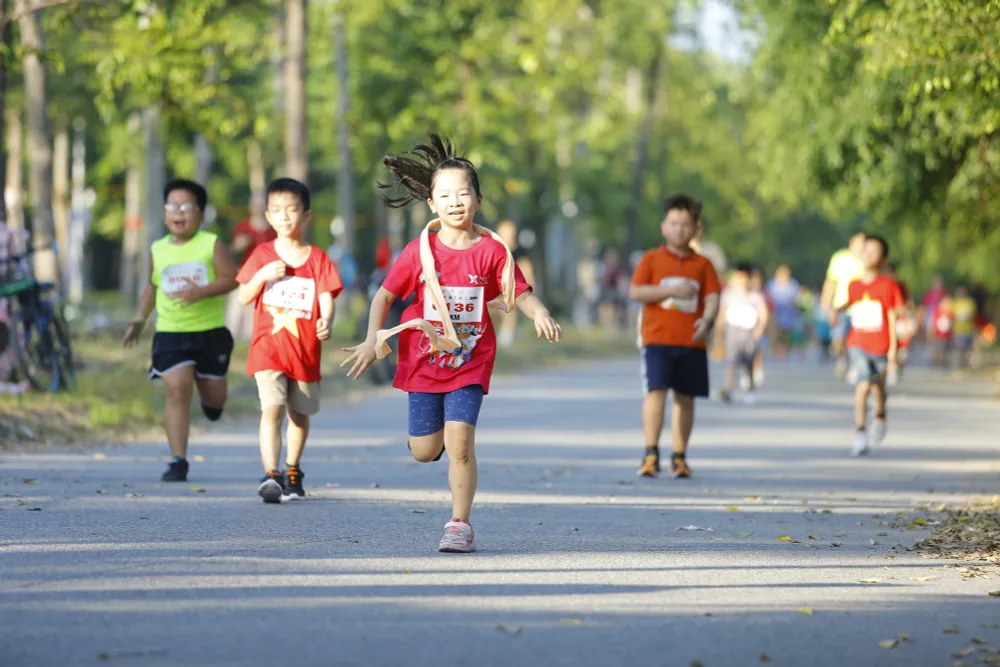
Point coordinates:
pixel 944 324
pixel 742 316
pixel 177 277
pixel 683 305
pixel 292 295
pixel 867 316
pixel 465 305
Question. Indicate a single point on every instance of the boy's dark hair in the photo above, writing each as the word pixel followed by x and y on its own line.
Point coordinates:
pixel 743 267
pixel 290 186
pixel 415 175
pixel 683 202
pixel 881 241
pixel 199 192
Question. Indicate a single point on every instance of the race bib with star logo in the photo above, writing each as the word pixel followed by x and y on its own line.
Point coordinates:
pixel 291 296
pixel 465 304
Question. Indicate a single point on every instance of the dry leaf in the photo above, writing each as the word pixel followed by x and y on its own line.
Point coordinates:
pixel 922 578
pixel 964 652
pixel 808 611
pixel 764 657
pixel 196 489
pixel 416 511
pixel 995 594
pixel 827 511
pixel 742 533
pixel 836 544
pixel 511 630
pixel 814 537
pixel 950 630
pixel 98 456
pixel 571 621
pixel 696 664
pixel 732 508
pixel 717 539
pixel 198 458
pixel 694 528
pixel 870 581
pixel 889 643
pixel 903 637
pixel 977 640
pixel 991 660
pixel 785 538
pixel 752 498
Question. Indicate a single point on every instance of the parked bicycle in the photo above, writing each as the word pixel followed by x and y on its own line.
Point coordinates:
pixel 38 334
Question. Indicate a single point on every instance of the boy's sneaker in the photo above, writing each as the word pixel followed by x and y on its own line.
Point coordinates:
pixel 860 447
pixel 679 468
pixel 292 484
pixel 270 487
pixel 877 431
pixel 650 464
pixel 177 471
pixel 726 396
pixel 458 538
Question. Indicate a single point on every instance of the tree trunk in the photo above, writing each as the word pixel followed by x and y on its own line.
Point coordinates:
pixel 5 47
pixel 258 181
pixel 345 179
pixel 132 233
pixel 14 194
pixel 39 147
pixel 642 157
pixel 156 177
pixel 79 222
pixel 60 192
pixel 296 141
pixel 203 157
pixel 277 62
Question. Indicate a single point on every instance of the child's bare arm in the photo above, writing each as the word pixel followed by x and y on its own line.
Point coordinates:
pixel 326 311
pixel 251 289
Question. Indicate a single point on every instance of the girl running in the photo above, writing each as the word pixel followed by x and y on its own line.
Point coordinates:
pixel 445 363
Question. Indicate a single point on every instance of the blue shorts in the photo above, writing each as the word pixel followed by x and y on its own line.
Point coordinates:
pixel 683 369
pixel 843 327
pixel 429 412
pixel 867 367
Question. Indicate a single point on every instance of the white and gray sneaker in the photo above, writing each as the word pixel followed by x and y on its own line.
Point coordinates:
pixel 877 431
pixel 860 447
pixel 270 488
pixel 458 538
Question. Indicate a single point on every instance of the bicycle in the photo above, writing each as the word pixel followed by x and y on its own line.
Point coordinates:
pixel 40 338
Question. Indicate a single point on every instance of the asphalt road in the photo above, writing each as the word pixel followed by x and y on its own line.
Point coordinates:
pixel 580 562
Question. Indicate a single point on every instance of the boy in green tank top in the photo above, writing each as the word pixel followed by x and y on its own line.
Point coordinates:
pixel 190 274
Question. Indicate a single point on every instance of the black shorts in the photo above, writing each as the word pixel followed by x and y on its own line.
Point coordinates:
pixel 683 369
pixel 208 351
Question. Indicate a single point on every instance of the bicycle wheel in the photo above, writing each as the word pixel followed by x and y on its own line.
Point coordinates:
pixel 34 350
pixel 64 353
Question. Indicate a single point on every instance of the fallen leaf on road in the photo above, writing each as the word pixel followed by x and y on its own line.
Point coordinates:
pixel 903 637
pixel 991 660
pixel 29 480
pixel 977 640
pixel 785 538
pixel 98 456
pixel 196 489
pixel 836 544
pixel 922 578
pixel 808 611
pixel 840 535
pixel 511 630
pixel 950 630
pixel 752 498
pixel 717 539
pixel 764 657
pixel 889 643
pixel 134 495
pixel 814 537
pixel 696 664
pixel 883 534
pixel 805 502
pixel 570 621
pixel 742 533
pixel 995 594
pixel 416 511
pixel 34 509
pixel 964 652
pixel 873 543
pixel 407 572
pixel 827 511
pixel 144 518
pixel 373 485
pixel 198 458
pixel 101 492
pixel 870 581
pixel 732 508
pixel 694 528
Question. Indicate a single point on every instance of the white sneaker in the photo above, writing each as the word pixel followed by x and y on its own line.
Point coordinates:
pixel 851 375
pixel 877 431
pixel 750 398
pixel 758 377
pixel 744 381
pixel 860 447
pixel 458 538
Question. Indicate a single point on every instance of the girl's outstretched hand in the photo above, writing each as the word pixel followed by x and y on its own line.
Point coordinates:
pixel 362 356
pixel 547 327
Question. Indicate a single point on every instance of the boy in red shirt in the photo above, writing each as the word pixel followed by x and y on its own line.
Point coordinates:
pixel 292 285
pixel 680 293
pixel 446 364
pixel 872 344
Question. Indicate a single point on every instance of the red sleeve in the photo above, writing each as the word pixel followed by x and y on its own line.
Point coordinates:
pixel 644 271
pixel 251 266
pixel 896 300
pixel 327 278
pixel 711 279
pixel 402 278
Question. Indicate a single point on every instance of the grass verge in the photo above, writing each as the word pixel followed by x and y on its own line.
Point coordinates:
pixel 115 402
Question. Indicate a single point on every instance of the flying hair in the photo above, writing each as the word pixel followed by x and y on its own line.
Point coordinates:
pixel 413 173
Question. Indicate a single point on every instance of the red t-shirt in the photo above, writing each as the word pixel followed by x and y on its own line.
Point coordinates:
pixel 258 237
pixel 870 305
pixel 470 279
pixel 285 314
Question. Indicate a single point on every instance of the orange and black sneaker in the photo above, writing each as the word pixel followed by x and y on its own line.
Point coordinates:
pixel 650 463
pixel 270 487
pixel 679 467
pixel 292 484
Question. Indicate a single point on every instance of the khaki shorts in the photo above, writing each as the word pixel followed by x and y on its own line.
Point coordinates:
pixel 276 388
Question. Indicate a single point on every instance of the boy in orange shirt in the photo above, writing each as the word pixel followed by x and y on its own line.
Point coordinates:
pixel 679 291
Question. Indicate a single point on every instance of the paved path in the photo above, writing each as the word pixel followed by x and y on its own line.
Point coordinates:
pixel 580 563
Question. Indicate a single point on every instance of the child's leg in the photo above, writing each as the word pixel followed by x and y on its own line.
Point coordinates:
pixel 298 431
pixel 682 420
pixel 878 391
pixel 213 393
pixel 271 418
pixel 653 408
pixel 463 472
pixel 861 392
pixel 179 385
pixel 426 426
pixel 730 377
